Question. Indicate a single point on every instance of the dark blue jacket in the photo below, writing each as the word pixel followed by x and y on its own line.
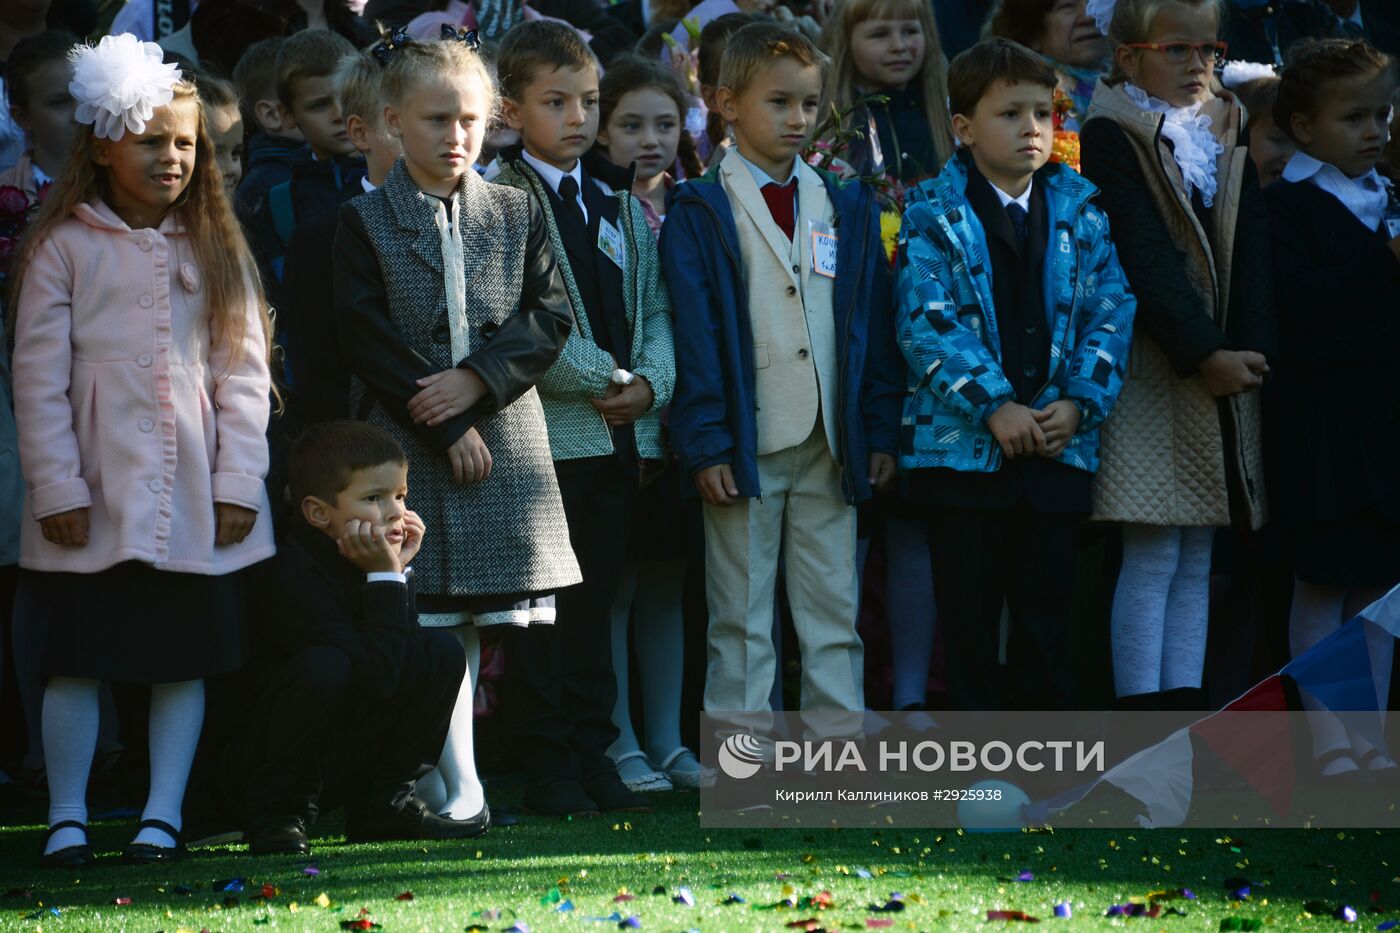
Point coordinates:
pixel 269 163
pixel 713 411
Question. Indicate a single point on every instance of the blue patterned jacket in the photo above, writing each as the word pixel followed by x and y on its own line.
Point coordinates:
pixel 948 325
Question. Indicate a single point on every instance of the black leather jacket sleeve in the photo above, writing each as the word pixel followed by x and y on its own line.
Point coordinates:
pixel 529 342
pixel 371 345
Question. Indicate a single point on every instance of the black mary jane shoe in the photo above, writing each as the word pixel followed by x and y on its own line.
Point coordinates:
pixel 143 853
pixel 69 857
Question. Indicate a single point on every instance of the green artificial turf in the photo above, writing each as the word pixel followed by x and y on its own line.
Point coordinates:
pixel 525 874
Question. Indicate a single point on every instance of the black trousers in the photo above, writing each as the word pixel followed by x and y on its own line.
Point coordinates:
pixel 560 687
pixel 312 733
pixel 982 559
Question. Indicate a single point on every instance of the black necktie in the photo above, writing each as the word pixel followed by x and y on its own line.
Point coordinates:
pixel 568 193
pixel 1017 215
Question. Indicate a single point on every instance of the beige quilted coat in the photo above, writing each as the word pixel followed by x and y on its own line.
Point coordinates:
pixel 1165 448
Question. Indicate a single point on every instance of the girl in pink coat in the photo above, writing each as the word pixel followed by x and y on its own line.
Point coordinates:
pixel 141 398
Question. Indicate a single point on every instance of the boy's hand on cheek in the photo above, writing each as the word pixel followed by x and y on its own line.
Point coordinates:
pixel 716 484
pixel 1059 421
pixel 66 529
pixel 1016 430
pixel 367 548
pixel 232 523
pixel 445 395
pixel 413 531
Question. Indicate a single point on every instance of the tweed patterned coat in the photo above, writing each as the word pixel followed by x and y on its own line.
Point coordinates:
pixel 507 534
pixel 576 430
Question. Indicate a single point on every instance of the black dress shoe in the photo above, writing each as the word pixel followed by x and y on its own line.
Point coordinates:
pixel 482 821
pixel 69 857
pixel 144 853
pixel 413 821
pixel 559 797
pixel 283 837
pixel 613 796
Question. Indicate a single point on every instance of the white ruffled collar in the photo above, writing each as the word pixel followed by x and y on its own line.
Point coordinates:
pixel 1194 146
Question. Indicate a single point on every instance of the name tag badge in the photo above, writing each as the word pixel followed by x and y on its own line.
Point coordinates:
pixel 823 249
pixel 610 242
pixel 1392 224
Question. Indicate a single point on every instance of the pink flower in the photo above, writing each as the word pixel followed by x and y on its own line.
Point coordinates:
pixel 13 201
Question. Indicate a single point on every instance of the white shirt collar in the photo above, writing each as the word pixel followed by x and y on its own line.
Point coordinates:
pixel 1365 196
pixel 1024 200
pixel 365 184
pixel 551 175
pixel 761 177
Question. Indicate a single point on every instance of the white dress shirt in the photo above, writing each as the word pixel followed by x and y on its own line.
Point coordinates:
pixel 552 176
pixel 1365 196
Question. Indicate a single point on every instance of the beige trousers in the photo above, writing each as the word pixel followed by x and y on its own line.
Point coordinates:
pixel 803 517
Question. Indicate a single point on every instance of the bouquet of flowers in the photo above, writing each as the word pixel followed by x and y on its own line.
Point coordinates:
pixel 1065 147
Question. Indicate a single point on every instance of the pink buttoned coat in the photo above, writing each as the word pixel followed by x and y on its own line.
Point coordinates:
pixel 124 404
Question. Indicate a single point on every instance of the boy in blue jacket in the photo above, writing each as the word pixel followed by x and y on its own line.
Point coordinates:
pixel 785 411
pixel 1015 319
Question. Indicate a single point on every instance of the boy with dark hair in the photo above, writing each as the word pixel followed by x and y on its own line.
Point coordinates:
pixel 602 400
pixel 336 639
pixel 323 379
pixel 272 136
pixel 325 171
pixel 1015 319
pixel 786 409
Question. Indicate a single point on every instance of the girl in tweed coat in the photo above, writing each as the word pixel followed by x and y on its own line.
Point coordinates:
pixel 451 309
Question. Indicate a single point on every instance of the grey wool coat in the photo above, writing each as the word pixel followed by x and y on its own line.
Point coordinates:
pixel 507 534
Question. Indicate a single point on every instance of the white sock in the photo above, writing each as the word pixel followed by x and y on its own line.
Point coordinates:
pixel 177 716
pixel 1150 554
pixel 1187 620
pixel 661 653
pixel 626 742
pixel 909 607
pixel 70 736
pixel 457 766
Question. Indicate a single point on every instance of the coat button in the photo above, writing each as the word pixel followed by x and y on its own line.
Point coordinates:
pixel 145 244
pixel 1031 371
pixel 143 360
pixel 489 330
pixel 797 269
pixel 154 485
pixel 146 425
pixel 792 289
pixel 802 354
pixel 1031 330
pixel 441 334
pixel 147 301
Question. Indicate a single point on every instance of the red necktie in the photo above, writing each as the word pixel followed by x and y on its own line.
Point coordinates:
pixel 781 204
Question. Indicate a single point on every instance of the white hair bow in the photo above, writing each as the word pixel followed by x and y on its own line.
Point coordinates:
pixel 1102 13
pixel 119 83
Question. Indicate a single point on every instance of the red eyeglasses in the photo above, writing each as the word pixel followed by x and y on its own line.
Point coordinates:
pixel 1179 53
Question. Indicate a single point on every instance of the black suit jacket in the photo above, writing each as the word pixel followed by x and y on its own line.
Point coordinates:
pixel 309 326
pixel 309 595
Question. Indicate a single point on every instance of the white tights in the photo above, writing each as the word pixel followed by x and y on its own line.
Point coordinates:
pixel 1161 608
pixel 454 789
pixel 70 721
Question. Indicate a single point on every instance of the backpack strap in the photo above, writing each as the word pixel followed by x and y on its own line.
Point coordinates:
pixel 284 219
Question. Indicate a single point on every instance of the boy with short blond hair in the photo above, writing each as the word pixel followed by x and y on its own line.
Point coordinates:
pixel 602 399
pixel 786 409
pixel 1015 320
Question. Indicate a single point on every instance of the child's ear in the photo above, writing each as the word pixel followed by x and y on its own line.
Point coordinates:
pixel 358 131
pixel 1301 127
pixel 707 96
pixel 1126 59
pixel 268 113
pixel 286 120
pixel 392 124
pixel 317 512
pixel 510 114
pixel 727 104
pixel 962 129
